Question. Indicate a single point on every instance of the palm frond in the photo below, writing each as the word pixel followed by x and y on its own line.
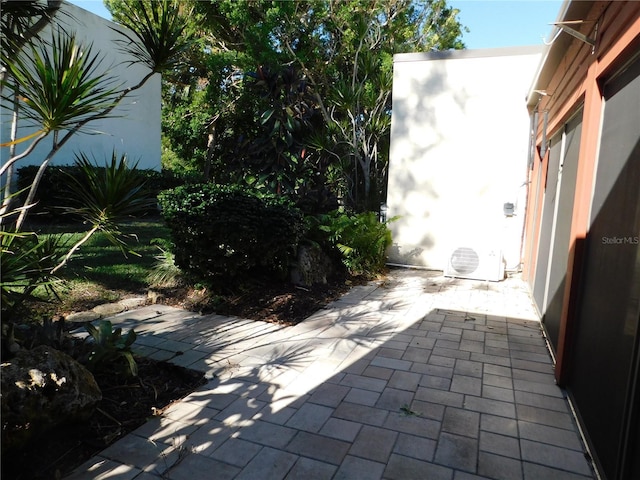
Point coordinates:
pixel 22 20
pixel 158 33
pixel 61 83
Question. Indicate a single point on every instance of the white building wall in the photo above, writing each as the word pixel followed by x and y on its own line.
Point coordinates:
pixel 459 136
pixel 134 128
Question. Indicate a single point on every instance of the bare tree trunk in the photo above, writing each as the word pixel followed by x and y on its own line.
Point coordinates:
pixel 36 182
pixel 8 184
pixel 211 144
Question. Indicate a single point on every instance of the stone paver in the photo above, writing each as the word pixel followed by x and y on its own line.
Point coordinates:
pixel 419 376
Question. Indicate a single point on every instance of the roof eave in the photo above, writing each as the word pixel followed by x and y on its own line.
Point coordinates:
pixel 555 50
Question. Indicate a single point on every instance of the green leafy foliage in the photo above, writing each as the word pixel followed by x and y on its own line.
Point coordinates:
pixel 61 83
pixel 221 232
pixel 159 32
pixel 277 155
pixel 26 262
pixel 110 350
pixel 103 197
pixel 237 113
pixel 361 239
pixel 21 21
pixel 107 194
pixel 165 272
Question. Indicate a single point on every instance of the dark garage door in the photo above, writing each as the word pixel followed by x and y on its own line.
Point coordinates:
pixel 604 366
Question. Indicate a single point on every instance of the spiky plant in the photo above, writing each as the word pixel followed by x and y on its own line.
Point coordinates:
pixel 22 21
pixel 105 197
pixel 61 83
pixel 158 35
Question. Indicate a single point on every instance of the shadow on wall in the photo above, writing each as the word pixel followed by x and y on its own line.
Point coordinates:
pixel 408 257
pixel 415 134
pixel 416 109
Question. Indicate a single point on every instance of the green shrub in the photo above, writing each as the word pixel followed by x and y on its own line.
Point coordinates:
pixel 361 239
pixel 221 232
pixel 52 190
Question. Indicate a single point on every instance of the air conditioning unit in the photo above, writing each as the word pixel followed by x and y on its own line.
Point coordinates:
pixel 475 263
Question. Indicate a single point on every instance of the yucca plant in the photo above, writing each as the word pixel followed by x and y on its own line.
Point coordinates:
pixel 158 35
pixel 105 197
pixel 63 89
pixel 21 21
pixel 62 86
pixel 26 261
pixel 61 82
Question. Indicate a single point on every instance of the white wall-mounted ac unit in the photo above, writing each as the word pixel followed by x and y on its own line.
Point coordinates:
pixel 475 263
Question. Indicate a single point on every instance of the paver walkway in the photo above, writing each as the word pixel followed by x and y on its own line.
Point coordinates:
pixel 416 377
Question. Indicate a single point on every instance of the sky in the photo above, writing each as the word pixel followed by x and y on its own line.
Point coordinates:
pixel 491 23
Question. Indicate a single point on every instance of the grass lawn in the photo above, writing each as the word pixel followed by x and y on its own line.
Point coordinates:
pixel 99 272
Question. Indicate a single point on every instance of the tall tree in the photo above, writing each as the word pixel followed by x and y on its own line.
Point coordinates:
pixel 353 80
pixel 341 50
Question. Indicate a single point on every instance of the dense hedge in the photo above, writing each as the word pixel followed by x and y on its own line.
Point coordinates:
pixel 222 232
pixel 53 192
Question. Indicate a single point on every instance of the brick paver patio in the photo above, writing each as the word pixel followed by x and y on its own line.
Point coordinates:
pixel 416 377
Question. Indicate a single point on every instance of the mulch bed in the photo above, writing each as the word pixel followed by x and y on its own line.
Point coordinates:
pixel 125 405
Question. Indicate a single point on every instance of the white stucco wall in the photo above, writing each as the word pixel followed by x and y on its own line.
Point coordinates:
pixel 135 126
pixel 459 138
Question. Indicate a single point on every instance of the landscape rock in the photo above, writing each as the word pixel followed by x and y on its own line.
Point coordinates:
pixel 82 317
pixel 155 297
pixel 43 388
pixel 133 302
pixel 109 309
pixel 312 266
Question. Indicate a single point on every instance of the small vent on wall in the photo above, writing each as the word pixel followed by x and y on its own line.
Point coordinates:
pixel 475 263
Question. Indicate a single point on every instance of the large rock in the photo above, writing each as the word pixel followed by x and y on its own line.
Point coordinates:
pixel 312 266
pixel 42 388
